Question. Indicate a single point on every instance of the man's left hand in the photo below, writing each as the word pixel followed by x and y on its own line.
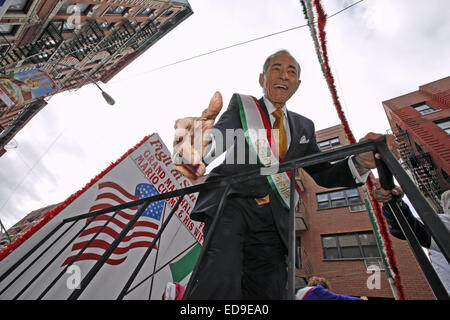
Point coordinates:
pixel 382 195
pixel 367 159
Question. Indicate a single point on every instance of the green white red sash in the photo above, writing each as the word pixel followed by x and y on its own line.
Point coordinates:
pixel 258 133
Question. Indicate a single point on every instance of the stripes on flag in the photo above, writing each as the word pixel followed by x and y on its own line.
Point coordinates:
pixel 141 234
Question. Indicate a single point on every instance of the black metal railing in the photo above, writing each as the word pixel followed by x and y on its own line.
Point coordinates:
pixel 388 165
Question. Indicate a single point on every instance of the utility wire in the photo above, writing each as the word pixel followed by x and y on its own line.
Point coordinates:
pixel 241 43
pixel 30 170
pixel 348 7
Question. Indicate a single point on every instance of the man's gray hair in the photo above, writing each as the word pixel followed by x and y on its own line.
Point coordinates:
pixel 282 51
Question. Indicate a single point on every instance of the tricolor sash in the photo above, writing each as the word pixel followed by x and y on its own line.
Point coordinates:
pixel 258 134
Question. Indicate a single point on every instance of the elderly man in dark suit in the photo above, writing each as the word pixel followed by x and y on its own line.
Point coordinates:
pixel 247 254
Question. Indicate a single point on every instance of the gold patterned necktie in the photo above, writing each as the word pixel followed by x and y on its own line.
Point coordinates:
pixel 280 139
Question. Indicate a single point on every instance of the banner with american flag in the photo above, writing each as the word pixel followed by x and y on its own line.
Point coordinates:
pixel 141 235
pixel 144 171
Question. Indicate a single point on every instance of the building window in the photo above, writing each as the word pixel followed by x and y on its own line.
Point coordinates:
pixel 167 13
pixel 8 29
pixel 18 6
pixel 444 125
pixel 298 246
pixel 65 68
pixel 341 198
pixel 329 144
pixel 67 27
pixel 106 25
pixel 349 246
pixel 4 48
pixel 43 56
pixel 423 108
pixel 93 62
pixel 116 10
pixel 50 43
pixel 134 24
pixel 145 12
pixel 73 7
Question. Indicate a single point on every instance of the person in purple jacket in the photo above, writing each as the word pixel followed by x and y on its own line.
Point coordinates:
pixel 318 289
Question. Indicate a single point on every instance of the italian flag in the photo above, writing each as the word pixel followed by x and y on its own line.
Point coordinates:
pixel 183 267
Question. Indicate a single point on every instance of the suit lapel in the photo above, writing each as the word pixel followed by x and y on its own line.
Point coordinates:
pixel 294 137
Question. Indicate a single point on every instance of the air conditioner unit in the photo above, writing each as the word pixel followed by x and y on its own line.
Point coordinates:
pixel 374 263
pixel 357 207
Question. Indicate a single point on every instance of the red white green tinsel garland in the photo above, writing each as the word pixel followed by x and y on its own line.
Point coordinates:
pixel 375 215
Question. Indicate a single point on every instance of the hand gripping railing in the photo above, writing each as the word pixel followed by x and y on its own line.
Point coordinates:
pixel 433 225
pixel 389 164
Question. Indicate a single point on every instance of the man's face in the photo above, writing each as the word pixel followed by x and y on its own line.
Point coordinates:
pixel 281 79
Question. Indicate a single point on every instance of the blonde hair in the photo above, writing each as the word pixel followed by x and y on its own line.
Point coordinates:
pixel 314 281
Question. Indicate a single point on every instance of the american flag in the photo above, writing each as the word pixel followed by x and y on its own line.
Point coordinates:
pixel 141 235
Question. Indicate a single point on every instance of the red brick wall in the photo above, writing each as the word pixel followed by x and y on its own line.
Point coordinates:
pixel 421 128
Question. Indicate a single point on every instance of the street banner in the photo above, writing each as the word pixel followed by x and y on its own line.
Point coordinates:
pixel 144 171
pixel 24 86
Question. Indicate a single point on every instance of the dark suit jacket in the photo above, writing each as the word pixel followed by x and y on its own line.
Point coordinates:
pixel 417 226
pixel 325 174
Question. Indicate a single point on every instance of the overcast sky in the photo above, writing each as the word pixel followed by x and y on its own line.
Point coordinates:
pixel 378 50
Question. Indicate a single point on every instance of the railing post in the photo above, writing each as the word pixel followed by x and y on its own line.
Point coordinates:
pixel 291 253
pixel 205 248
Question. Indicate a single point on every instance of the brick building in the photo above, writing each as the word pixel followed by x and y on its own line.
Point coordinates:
pixel 421 122
pixel 336 241
pixel 98 37
pixel 25 224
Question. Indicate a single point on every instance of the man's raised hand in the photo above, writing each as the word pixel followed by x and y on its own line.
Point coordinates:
pixel 192 137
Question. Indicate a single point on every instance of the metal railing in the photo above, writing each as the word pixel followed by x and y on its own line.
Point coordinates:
pixel 389 164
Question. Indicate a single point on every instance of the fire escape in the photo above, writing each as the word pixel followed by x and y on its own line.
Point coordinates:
pixel 420 165
pixel 36 52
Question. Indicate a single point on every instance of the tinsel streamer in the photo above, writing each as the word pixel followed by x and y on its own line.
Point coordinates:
pixel 386 238
pixel 322 19
pixel 384 243
pixel 51 214
pixel 309 16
